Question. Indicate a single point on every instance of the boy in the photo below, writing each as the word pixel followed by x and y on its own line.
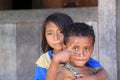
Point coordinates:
pixel 79 40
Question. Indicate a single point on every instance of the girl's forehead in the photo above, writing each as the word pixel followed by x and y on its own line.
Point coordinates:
pixel 52 26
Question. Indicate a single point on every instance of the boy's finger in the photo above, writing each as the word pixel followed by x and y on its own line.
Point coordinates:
pixel 72 46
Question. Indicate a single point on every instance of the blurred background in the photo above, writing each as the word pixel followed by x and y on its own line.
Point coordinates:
pixel 42 4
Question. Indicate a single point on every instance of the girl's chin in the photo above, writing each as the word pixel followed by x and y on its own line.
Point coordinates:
pixel 58 49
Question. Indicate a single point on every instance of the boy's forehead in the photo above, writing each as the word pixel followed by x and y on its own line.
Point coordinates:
pixel 79 39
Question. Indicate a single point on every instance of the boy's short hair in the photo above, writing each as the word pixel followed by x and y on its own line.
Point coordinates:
pixel 78 29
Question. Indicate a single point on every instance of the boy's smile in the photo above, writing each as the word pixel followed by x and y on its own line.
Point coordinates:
pixel 83 49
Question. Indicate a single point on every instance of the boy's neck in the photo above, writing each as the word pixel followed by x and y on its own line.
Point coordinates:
pixel 75 69
pixel 76 66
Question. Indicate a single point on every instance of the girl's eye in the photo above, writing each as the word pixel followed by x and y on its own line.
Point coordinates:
pixel 61 31
pixel 49 33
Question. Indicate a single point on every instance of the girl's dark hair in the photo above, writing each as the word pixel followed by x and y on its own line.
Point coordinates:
pixel 62 20
pixel 78 29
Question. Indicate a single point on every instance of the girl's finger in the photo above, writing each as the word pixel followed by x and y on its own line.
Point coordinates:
pixel 78 76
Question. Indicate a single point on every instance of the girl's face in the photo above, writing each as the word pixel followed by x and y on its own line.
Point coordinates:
pixel 54 36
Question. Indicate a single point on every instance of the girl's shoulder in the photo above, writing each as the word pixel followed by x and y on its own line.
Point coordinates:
pixel 44 60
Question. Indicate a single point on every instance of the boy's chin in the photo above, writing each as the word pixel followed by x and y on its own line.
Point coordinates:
pixel 79 64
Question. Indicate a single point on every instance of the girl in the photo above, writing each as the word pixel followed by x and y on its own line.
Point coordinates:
pixel 52 44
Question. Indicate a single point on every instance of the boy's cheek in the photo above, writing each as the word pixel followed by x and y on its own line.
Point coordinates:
pixel 77 56
pixel 72 57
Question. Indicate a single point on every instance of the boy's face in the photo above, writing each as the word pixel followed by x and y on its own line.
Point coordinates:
pixel 83 49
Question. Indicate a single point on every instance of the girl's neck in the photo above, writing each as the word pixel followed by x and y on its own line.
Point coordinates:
pixel 56 51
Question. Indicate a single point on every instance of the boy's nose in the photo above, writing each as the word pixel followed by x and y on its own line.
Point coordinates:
pixel 81 53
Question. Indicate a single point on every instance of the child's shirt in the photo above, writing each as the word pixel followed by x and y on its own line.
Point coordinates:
pixel 44 61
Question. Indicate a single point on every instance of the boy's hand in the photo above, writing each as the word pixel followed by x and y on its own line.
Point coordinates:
pixel 63 56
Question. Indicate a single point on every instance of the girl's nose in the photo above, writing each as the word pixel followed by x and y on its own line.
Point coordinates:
pixel 56 37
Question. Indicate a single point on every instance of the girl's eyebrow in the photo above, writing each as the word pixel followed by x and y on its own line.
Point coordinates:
pixel 49 30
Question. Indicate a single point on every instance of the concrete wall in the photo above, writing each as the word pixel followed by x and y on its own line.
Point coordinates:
pixel 20 39
pixel 8 52
pixel 118 35
pixel 107 36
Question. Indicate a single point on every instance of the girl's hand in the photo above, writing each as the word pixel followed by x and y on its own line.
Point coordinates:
pixel 85 77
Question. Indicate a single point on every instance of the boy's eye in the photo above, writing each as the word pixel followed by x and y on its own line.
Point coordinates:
pixel 86 49
pixel 75 48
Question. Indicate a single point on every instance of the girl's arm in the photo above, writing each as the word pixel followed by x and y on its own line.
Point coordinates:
pixel 101 74
pixel 40 73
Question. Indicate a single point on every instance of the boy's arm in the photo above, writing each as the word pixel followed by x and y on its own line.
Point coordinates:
pixel 52 71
